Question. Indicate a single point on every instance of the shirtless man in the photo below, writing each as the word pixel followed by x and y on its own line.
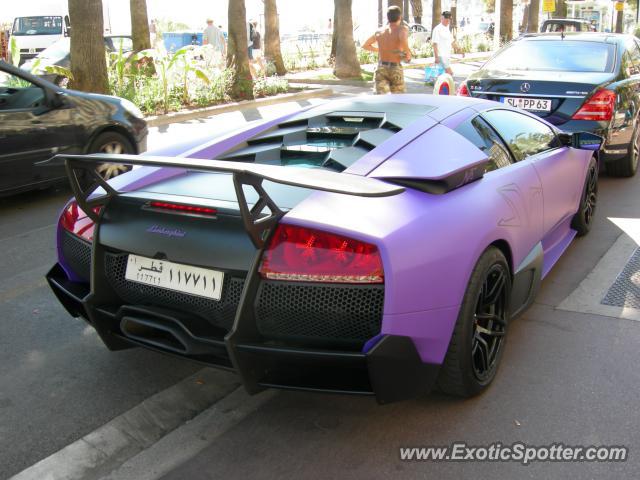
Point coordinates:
pixel 392 45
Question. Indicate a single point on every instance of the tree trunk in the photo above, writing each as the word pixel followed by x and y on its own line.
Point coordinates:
pixel 272 50
pixel 347 65
pixel 561 9
pixel 139 25
pixel 88 59
pixel 506 20
pixel 334 35
pixel 405 10
pixel 534 16
pixel 619 16
pixel 416 9
pixel 525 19
pixel 436 12
pixel 395 3
pixel 241 86
pixel 380 14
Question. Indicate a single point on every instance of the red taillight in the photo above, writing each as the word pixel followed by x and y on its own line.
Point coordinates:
pixel 463 90
pixel 75 221
pixel 177 207
pixel 305 255
pixel 599 107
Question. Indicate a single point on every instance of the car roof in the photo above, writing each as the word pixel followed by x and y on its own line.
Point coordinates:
pixel 567 20
pixel 598 37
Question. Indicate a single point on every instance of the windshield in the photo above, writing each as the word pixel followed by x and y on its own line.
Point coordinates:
pixel 556 56
pixel 57 50
pixel 37 26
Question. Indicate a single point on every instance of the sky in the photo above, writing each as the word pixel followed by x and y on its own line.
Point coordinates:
pixel 294 15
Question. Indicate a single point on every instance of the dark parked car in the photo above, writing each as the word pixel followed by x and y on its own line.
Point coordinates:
pixel 39 119
pixel 59 54
pixel 576 81
pixel 567 25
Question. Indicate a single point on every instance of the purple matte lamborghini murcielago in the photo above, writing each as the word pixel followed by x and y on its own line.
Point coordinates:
pixel 377 245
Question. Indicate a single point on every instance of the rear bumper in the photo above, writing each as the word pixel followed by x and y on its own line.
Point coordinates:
pixel 391 369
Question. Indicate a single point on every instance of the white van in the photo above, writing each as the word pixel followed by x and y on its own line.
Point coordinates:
pixel 35 33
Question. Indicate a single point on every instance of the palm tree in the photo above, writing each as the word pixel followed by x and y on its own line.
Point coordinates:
pixel 534 16
pixel 347 65
pixel 272 50
pixel 416 9
pixel 88 60
pixel 139 25
pixel 561 9
pixel 506 20
pixel 436 12
pixel 241 85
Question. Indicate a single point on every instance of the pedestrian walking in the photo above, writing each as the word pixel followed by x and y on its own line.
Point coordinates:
pixel 256 47
pixel 213 36
pixel 442 40
pixel 391 43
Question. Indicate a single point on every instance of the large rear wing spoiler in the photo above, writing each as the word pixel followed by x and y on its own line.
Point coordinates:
pixel 85 181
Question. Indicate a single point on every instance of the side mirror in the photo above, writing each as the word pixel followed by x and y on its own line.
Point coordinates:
pixel 67 24
pixel 581 140
pixel 587 141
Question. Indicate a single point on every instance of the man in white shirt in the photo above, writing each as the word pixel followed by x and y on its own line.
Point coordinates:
pixel 442 40
pixel 213 36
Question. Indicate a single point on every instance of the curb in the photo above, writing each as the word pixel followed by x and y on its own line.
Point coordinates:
pixel 316 81
pixel 99 452
pixel 193 437
pixel 159 120
pixel 411 66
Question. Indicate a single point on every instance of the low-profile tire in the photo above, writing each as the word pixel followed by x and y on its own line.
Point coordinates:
pixel 583 219
pixel 626 166
pixel 111 142
pixel 479 336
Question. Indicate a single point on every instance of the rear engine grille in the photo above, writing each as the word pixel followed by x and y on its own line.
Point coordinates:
pixel 219 313
pixel 77 254
pixel 327 314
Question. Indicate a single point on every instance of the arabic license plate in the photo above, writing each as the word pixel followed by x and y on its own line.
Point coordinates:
pixel 175 276
pixel 537 104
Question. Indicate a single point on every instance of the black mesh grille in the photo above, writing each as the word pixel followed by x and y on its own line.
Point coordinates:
pixel 77 253
pixel 219 313
pixel 319 313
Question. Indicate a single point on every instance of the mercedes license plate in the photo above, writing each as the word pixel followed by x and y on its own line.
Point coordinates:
pixel 537 104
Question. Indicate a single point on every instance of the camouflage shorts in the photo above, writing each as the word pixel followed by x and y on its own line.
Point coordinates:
pixel 388 80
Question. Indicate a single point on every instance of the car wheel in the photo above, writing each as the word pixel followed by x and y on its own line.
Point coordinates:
pixel 583 219
pixel 113 143
pixel 479 335
pixel 628 165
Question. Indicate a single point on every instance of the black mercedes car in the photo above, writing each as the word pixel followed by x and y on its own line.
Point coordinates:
pixel 577 81
pixel 39 119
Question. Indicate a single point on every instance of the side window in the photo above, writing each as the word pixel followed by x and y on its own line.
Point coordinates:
pixel 523 135
pixel 480 133
pixel 631 58
pixel 17 93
